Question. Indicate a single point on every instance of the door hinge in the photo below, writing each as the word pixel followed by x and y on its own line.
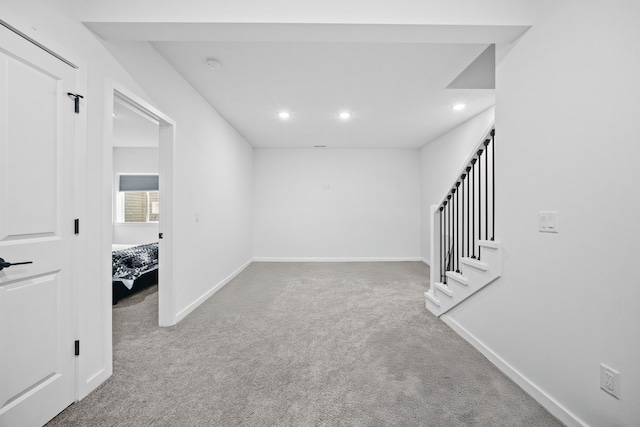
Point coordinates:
pixel 160 235
pixel 77 347
pixel 76 226
pixel 76 101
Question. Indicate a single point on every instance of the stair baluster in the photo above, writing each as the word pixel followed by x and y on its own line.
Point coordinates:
pixel 473 209
pixel 486 190
pixel 441 209
pixel 468 169
pixel 479 200
pixel 460 226
pixel 462 177
pixel 457 231
pixel 448 247
pixel 452 263
pixel 493 184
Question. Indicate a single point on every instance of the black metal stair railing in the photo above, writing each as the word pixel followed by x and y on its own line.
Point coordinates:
pixel 467 212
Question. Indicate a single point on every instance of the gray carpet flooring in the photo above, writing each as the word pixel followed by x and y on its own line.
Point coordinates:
pixel 302 344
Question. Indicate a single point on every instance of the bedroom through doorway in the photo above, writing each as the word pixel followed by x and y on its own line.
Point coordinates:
pixel 162 134
pixel 140 158
pixel 136 203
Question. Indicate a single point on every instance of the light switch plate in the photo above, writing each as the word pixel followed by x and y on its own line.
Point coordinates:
pixel 548 222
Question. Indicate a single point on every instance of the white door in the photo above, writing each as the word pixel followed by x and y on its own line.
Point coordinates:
pixel 37 358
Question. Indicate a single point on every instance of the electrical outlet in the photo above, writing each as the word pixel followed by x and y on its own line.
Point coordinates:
pixel 610 380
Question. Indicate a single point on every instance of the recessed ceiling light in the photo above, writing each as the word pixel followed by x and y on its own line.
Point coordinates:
pixel 284 115
pixel 214 63
pixel 345 115
pixel 459 107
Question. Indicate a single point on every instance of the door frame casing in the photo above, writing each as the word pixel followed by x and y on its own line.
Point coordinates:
pixel 166 149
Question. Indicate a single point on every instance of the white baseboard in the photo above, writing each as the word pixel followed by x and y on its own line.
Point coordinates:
pixel 547 401
pixel 335 259
pixel 426 261
pixel 185 311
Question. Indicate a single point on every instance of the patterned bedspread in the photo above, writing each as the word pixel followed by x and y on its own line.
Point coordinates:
pixel 129 264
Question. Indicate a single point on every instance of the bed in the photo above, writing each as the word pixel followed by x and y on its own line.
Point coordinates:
pixel 134 267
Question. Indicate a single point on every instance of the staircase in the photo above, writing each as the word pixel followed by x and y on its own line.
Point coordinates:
pixel 474 276
pixel 464 259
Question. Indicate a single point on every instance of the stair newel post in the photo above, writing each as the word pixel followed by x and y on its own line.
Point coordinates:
pixel 493 184
pixel 457 233
pixel 479 200
pixel 441 231
pixel 444 245
pixel 447 252
pixel 486 190
pixel 473 209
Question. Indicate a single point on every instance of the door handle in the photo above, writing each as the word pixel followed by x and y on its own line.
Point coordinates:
pixel 4 264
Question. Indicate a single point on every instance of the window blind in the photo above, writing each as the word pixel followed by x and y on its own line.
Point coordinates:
pixel 139 183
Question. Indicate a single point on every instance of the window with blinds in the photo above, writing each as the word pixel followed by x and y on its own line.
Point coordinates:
pixel 139 199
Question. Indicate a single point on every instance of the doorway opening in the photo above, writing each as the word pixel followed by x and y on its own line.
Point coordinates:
pixel 141 164
pixel 136 208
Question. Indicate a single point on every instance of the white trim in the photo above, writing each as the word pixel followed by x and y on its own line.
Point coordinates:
pixel 166 294
pixel 52 46
pixel 426 261
pixel 444 289
pixel 166 275
pixel 106 233
pixel 489 244
pixel 336 259
pixel 434 242
pixel 546 400
pixel 475 263
pixel 185 311
pixel 80 211
pixel 457 277
pixel 433 300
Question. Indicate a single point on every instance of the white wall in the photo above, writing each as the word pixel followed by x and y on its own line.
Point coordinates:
pixel 567 109
pixel 134 161
pixel 324 203
pixel 440 162
pixel 212 160
pixel 568 139
pixel 72 40
pixel 213 179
